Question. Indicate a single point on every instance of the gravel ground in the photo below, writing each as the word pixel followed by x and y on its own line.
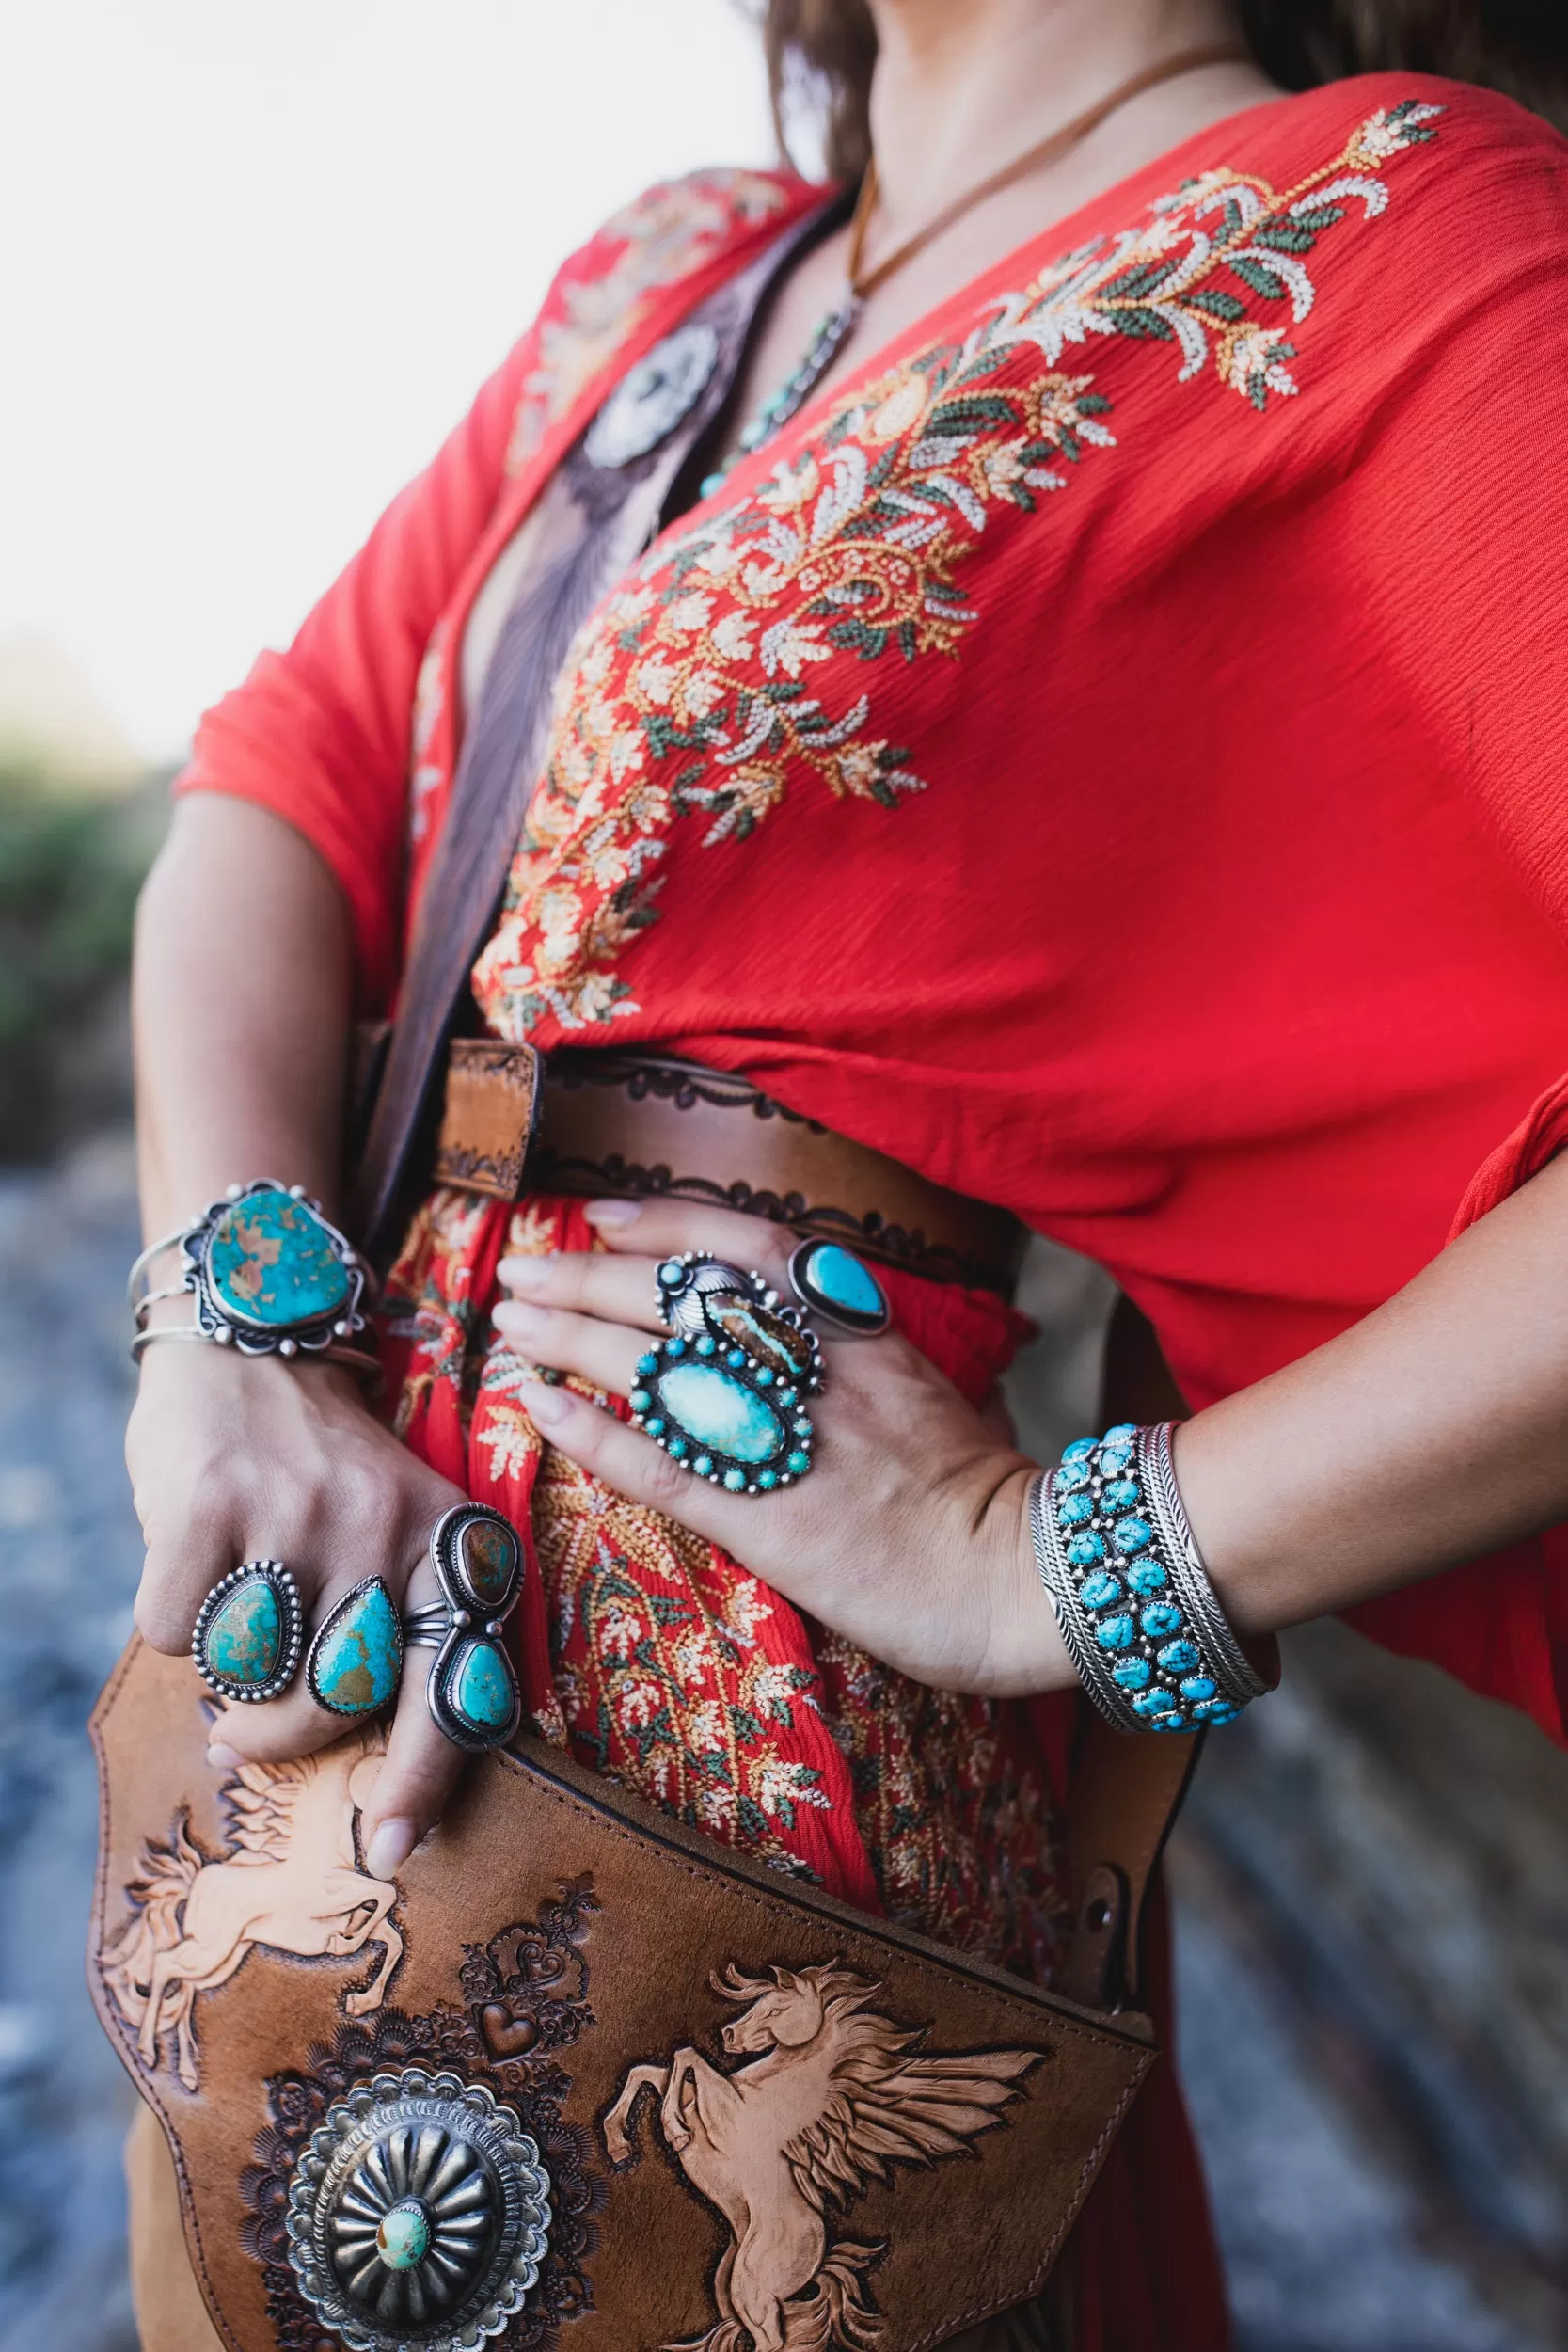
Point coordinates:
pixel 1322 2237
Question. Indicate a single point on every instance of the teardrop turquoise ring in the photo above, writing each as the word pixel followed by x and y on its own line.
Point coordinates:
pixel 248 1632
pixel 473 1693
pixel 838 1289
pixel 724 1396
pixel 355 1661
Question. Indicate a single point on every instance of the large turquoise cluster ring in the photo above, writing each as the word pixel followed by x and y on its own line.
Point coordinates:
pixel 724 1394
pixel 472 1692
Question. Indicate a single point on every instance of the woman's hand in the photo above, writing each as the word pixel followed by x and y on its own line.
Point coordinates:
pixel 238 1458
pixel 909 1536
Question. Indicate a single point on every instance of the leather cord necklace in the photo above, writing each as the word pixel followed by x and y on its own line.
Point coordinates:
pixel 834 328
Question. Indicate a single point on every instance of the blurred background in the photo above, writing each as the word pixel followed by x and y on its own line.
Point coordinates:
pixel 259 262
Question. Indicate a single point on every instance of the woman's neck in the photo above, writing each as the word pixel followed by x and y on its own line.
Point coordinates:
pixel 963 85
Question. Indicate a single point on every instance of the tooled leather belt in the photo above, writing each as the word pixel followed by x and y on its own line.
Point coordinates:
pixel 643 1126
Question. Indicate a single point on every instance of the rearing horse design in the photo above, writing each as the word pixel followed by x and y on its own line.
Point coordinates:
pixel 836 2095
pixel 289 1881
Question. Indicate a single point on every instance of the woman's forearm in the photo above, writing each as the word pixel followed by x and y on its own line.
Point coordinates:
pixel 240 1006
pixel 1433 1433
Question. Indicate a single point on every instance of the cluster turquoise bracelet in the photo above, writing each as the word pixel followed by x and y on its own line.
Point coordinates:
pixel 1130 1592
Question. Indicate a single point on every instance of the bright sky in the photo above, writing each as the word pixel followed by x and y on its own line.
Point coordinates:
pixel 260 258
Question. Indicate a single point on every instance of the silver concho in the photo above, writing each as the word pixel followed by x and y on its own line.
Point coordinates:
pixel 418 2214
pixel 653 397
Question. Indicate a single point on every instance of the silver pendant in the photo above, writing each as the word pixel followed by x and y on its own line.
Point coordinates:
pixel 653 397
pixel 418 2214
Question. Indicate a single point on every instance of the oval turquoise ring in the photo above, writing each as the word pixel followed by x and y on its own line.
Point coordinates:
pixel 831 1282
pixel 247 1633
pixel 724 1396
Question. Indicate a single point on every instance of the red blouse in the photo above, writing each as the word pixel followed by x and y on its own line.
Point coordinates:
pixel 1101 756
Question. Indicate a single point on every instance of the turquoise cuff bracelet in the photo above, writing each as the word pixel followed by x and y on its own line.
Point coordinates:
pixel 268 1272
pixel 1130 1592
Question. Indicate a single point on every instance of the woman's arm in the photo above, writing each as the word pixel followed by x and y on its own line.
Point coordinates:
pixel 1434 1432
pixel 242 995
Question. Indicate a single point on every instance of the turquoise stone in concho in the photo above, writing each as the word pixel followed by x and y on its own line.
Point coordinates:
pixel 244 1639
pixel 719 1411
pixel 356 1658
pixel 480 1688
pixel 271 1263
pixel 402 2236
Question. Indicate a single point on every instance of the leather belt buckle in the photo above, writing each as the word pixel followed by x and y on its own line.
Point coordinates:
pixel 488 1117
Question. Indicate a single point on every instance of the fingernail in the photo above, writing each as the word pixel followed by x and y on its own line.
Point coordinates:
pixel 549 1407
pixel 222 1759
pixel 390 1848
pixel 524 1273
pixel 612 1212
pixel 529 1322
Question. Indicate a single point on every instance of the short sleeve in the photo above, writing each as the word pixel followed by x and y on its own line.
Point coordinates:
pixel 320 733
pixel 1456 521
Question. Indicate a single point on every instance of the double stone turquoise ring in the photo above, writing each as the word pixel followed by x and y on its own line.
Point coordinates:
pixel 473 1693
pixel 726 1394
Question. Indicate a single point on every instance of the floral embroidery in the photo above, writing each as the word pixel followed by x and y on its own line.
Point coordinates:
pixel 663 236
pixel 704 685
pixel 1166 282
pixel 944 1791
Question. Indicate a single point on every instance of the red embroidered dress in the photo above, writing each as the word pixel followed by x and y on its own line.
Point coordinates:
pixel 1105 755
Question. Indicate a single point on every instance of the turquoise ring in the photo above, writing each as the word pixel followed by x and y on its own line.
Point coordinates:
pixel 473 1693
pixel 724 1396
pixel 248 1632
pixel 355 1661
pixel 837 1288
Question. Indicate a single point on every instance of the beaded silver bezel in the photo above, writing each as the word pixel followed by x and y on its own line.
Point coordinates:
pixel 271 1572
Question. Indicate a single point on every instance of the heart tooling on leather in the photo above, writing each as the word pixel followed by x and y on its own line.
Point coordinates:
pixel 831 2094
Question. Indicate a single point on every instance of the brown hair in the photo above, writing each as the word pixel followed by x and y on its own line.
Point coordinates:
pixel 820 54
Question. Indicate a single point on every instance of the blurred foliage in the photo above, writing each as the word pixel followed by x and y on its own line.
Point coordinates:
pixel 71 865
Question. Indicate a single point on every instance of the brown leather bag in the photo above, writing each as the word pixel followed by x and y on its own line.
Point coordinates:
pixel 614 2073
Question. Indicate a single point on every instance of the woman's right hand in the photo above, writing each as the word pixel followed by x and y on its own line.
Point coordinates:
pixel 237 1459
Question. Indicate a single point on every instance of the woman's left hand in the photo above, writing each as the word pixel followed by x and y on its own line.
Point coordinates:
pixel 910 1535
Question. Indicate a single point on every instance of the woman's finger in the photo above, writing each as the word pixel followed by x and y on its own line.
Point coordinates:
pixel 589 1282
pixel 605 1354
pixel 643 1471
pixel 663 1229
pixel 422 1767
pixel 179 1572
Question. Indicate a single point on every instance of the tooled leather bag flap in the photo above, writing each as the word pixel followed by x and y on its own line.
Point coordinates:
pixel 731 2117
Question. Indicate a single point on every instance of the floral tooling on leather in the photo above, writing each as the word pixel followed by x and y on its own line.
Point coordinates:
pixel 831 2095
pixel 289 1879
pixel 738 660
pixel 684 1678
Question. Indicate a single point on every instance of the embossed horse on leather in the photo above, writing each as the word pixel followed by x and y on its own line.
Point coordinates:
pixel 836 2095
pixel 289 1881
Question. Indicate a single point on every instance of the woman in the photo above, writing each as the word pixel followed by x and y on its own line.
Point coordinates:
pixel 1097 750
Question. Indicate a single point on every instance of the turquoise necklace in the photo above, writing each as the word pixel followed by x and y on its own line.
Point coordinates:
pixel 834 327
